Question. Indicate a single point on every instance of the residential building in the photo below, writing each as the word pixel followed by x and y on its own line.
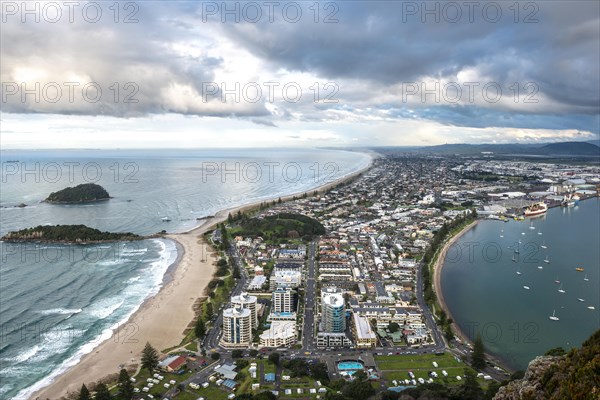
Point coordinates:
pixel 237 327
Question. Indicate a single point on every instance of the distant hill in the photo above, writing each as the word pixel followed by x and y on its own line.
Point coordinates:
pixel 570 148
pixel 83 193
pixel 544 149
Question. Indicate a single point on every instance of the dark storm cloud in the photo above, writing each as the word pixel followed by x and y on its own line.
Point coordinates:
pixel 373 48
pixel 381 42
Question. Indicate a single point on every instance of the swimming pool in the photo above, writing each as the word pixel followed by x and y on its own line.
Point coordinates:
pixel 350 365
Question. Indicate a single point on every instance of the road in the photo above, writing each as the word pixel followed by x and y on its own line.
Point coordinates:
pixel 211 340
pixel 310 288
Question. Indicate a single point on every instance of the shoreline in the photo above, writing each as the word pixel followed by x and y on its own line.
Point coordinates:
pixel 162 319
pixel 437 287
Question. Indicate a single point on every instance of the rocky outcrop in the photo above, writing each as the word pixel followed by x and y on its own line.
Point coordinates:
pixel 531 386
pixel 574 376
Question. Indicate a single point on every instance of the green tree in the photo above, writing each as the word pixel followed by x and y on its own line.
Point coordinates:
pixel 274 358
pixel 241 364
pixel 557 351
pixel 215 356
pixel 84 393
pixel 149 357
pixel 492 389
pixel 253 353
pixel 393 327
pixel 200 328
pixel 237 353
pixel 448 332
pixel 208 311
pixel 478 356
pixel 470 389
pixel 125 385
pixel 102 392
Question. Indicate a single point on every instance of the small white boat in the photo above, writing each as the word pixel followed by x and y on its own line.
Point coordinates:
pixel 591 307
pixel 514 259
pixel 540 267
pixel 522 233
pixel 526 287
pixel 546 260
pixel 586 278
pixel 518 273
pixel 543 245
pixel 560 289
pixel 539 233
pixel 165 219
pixel 501 236
pixel 553 317
pixel 580 299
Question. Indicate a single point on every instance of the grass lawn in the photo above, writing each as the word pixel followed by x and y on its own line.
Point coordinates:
pixel 397 367
pixel 212 392
pixel 192 346
pixel 417 361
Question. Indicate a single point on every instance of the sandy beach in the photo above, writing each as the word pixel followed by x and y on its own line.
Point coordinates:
pixel 437 273
pixel 162 319
pixel 437 285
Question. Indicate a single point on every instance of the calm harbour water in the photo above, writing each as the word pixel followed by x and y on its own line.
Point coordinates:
pixel 57 302
pixel 486 295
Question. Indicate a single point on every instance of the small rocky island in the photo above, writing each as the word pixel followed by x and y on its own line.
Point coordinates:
pixel 67 234
pixel 84 193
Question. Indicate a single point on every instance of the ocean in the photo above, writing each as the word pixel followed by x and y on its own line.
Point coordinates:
pixel 486 295
pixel 57 302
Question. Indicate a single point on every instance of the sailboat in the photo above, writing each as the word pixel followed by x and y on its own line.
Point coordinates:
pixel 546 260
pixel 580 299
pixel 560 289
pixel 586 278
pixel 557 281
pixel 518 272
pixel 543 245
pixel 514 259
pixel 553 317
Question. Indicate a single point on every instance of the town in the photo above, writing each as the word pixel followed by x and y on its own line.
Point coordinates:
pixel 330 293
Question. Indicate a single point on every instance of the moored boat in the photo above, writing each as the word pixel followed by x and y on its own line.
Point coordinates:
pixel 536 209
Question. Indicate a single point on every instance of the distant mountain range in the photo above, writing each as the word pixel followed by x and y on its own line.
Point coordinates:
pixel 581 149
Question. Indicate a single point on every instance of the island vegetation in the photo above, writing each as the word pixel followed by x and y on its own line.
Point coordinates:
pixel 67 234
pixel 84 193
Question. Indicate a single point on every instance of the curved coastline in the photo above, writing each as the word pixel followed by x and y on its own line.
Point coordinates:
pixel 437 287
pixel 162 319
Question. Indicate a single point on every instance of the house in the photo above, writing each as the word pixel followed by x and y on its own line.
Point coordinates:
pixel 172 363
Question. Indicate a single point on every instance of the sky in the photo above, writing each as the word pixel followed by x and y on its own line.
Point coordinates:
pixel 306 73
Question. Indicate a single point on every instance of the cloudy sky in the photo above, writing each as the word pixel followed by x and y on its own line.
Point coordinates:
pixel 307 73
